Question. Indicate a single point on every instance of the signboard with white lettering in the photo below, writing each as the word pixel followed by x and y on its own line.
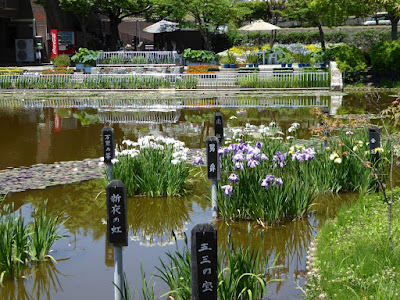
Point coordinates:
pixel 204 262
pixel 374 142
pixel 213 165
pixel 219 127
pixel 107 134
pixel 117 229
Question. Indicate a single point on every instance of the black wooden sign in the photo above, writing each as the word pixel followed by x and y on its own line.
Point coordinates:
pixel 213 165
pixel 107 134
pixel 204 262
pixel 374 142
pixel 117 229
pixel 219 128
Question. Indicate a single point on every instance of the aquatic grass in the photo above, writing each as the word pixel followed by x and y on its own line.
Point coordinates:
pixel 152 166
pixel 353 255
pixel 45 228
pixel 241 273
pixel 21 244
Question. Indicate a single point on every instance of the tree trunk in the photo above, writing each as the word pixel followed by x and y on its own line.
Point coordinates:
pixel 394 19
pixel 83 22
pixel 321 36
pixel 114 22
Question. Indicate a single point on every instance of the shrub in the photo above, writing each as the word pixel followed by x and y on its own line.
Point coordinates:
pixel 365 38
pixel 350 60
pixel 385 57
pixel 198 55
pixel 62 60
pixel 86 57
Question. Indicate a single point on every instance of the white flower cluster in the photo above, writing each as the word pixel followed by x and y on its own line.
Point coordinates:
pixel 179 151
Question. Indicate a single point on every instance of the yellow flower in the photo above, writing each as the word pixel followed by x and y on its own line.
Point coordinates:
pixel 378 150
pixel 291 150
pixel 360 143
pixel 355 148
pixel 299 147
pixel 328 148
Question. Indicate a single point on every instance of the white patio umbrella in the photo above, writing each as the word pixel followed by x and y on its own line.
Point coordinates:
pixel 162 26
pixel 261 26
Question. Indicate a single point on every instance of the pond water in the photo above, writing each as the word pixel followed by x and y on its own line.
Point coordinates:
pixel 47 130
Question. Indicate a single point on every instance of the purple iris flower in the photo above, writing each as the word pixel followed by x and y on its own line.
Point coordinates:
pixel 198 161
pixel 259 144
pixel 252 163
pixel 233 178
pixel 238 157
pixel 267 181
pixel 264 157
pixel 279 159
pixel 228 190
pixel 278 181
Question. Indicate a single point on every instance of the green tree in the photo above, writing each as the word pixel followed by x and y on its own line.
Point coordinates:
pixel 392 7
pixel 322 12
pixel 207 16
pixel 249 11
pixel 82 9
pixel 116 11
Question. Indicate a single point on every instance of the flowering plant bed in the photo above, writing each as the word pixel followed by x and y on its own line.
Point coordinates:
pixel 268 180
pixel 58 71
pixel 152 166
pixel 194 69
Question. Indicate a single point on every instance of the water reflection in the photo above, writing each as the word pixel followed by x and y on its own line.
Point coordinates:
pixel 43 280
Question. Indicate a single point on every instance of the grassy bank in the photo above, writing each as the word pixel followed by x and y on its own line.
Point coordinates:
pixel 353 257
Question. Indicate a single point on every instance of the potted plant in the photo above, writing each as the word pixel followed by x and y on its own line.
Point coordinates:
pixel 86 59
pixel 224 61
pixel 198 56
pixel 231 58
pixel 288 59
pixel 252 60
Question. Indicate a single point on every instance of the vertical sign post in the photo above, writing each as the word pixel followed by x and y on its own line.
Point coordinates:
pixel 117 235
pixel 107 134
pixel 213 170
pixel 204 262
pixel 117 230
pixel 374 142
pixel 219 128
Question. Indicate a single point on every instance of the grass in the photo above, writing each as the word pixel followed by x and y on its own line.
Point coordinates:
pixel 23 244
pixel 242 274
pixel 353 256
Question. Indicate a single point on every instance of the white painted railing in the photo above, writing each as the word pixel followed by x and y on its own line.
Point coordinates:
pixel 218 80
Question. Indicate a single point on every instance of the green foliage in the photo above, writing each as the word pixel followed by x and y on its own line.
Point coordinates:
pixel 187 82
pixel 350 60
pixel 157 168
pixel 86 57
pixel 353 256
pixel 300 80
pixel 385 57
pixel 365 38
pixel 114 59
pixel 62 60
pixel 198 55
pixel 241 273
pixel 23 244
pixel 138 60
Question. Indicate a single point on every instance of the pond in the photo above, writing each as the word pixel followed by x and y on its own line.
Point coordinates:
pixel 46 130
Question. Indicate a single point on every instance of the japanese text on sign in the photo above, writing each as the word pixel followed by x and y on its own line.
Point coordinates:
pixel 116 214
pixel 213 166
pixel 204 262
pixel 108 144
